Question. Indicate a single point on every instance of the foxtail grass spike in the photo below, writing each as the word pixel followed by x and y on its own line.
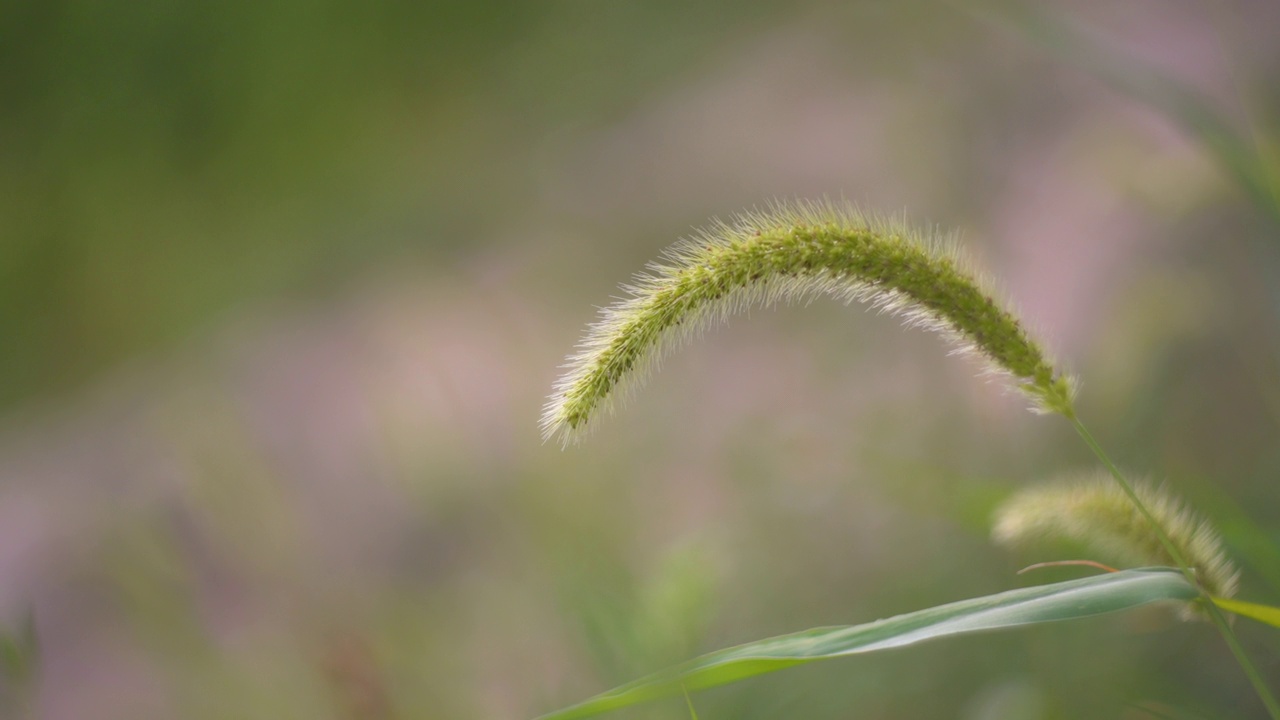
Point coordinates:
pixel 1093 512
pixel 788 253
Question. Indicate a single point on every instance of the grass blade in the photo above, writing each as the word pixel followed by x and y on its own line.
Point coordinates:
pixel 1262 613
pixel 1026 606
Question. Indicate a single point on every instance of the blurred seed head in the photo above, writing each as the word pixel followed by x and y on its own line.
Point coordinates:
pixel 1091 510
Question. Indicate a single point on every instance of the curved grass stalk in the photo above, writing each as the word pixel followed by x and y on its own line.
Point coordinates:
pixel 790 253
pixel 799 251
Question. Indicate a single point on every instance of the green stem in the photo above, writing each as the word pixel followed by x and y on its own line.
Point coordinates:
pixel 1215 614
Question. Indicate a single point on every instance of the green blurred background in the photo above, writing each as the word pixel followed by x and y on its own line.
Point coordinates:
pixel 283 286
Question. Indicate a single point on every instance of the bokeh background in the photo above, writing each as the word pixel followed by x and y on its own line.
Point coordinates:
pixel 283 286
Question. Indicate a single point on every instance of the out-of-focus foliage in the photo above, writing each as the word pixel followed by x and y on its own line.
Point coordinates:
pixel 283 286
pixel 161 161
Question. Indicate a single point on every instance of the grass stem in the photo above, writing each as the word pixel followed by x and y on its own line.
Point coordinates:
pixel 1215 614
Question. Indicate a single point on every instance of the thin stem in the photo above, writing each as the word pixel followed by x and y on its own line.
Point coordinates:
pixel 1065 563
pixel 1259 686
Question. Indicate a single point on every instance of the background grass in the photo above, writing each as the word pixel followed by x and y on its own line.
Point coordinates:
pixel 283 285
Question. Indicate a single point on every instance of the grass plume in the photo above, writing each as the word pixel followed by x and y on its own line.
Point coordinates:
pixel 785 254
pixel 1097 514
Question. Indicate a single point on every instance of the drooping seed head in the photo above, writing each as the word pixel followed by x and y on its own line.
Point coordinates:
pixel 1092 511
pixel 786 254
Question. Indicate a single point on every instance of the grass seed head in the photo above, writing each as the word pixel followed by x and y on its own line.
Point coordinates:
pixel 790 253
pixel 1094 512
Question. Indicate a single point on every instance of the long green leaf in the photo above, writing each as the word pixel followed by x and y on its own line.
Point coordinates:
pixel 1026 606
